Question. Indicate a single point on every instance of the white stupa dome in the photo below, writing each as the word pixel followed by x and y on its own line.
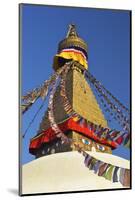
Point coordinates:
pixel 62 172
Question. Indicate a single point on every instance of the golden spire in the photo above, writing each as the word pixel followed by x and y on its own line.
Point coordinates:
pixel 71 48
pixel 72 31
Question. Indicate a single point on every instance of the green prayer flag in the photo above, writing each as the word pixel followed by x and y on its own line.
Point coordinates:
pixel 108 174
pixel 105 173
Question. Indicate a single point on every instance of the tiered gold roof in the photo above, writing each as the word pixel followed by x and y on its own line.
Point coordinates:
pixel 72 39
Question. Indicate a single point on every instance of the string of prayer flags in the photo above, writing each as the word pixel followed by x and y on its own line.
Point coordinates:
pixel 99 85
pixel 106 170
pixel 66 103
pixel 113 109
pixel 53 124
pixel 44 89
pixel 29 101
pixel 30 98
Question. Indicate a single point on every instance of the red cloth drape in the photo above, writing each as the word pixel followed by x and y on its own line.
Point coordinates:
pixel 68 125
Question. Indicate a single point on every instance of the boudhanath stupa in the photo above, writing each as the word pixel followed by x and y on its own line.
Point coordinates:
pixel 73 146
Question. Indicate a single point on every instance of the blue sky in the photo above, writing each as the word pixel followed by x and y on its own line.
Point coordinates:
pixel 107 33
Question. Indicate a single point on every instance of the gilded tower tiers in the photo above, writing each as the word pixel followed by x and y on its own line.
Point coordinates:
pixel 80 96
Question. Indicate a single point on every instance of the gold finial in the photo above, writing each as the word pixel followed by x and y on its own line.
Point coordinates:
pixel 72 31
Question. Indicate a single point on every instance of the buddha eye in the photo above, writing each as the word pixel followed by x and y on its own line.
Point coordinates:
pixel 101 148
pixel 86 141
